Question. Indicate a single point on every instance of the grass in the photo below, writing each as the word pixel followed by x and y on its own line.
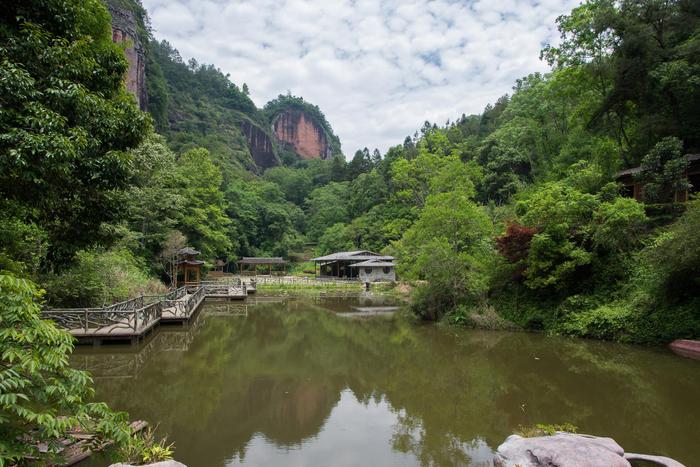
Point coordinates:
pixel 308 287
pixel 542 429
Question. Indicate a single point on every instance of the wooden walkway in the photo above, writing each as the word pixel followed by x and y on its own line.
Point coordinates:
pixel 135 318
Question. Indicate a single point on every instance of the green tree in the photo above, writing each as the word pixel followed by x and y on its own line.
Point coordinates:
pixel 203 219
pixel 366 191
pixel 99 278
pixel 640 54
pixel 325 207
pixel 267 223
pixel 450 246
pixel 663 171
pixel 573 228
pixel 66 119
pixel 41 396
pixel 562 215
pixel 360 163
pixel 337 237
pixel 154 202
pixel 414 180
pixel 296 184
pixel 23 245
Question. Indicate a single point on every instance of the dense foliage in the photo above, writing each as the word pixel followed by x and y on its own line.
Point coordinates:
pixel 41 396
pixel 518 208
pixel 66 122
pixel 511 217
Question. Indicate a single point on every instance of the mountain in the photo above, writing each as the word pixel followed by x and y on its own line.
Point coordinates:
pixel 197 105
pixel 301 128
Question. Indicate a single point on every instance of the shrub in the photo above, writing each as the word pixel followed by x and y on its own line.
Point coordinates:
pixel 611 322
pixel 101 277
pixel 543 429
pixel 144 448
pixel 514 245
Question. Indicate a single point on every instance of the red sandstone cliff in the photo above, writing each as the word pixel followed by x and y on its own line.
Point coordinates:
pixel 305 136
pixel 260 145
pixel 124 31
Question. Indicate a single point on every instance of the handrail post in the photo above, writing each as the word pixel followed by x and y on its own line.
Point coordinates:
pixel 86 320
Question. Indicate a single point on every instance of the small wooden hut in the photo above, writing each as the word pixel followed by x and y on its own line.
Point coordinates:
pixel 219 268
pixel 633 188
pixel 245 264
pixel 188 269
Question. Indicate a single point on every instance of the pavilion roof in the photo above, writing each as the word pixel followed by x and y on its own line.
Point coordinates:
pixel 190 262
pixel 261 260
pixel 188 251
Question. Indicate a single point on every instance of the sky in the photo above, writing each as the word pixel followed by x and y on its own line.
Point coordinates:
pixel 377 69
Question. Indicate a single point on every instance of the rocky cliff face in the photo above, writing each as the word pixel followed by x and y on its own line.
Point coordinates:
pixel 306 138
pixel 124 31
pixel 260 145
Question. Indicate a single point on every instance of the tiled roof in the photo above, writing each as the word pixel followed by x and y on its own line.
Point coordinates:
pixel 360 255
pixel 261 260
pixel 636 170
pixel 373 264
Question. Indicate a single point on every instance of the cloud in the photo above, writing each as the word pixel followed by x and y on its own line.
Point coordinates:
pixel 377 69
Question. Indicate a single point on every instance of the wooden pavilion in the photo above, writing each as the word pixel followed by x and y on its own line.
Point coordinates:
pixel 246 262
pixel 188 269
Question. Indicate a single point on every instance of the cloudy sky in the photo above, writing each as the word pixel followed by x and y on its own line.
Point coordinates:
pixel 377 69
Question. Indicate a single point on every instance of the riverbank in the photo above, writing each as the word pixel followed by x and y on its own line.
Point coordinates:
pixel 303 285
pixel 299 371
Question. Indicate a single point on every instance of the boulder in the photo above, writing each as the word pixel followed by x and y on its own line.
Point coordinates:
pixel 569 450
pixel 170 463
pixel 560 450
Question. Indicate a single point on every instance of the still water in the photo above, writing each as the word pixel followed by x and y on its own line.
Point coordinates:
pixel 299 381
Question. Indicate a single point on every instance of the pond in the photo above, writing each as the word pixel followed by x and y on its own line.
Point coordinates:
pixel 301 381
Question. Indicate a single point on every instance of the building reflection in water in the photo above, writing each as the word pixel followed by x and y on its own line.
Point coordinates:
pixel 282 381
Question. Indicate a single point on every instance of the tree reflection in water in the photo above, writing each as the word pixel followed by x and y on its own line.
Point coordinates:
pixel 293 379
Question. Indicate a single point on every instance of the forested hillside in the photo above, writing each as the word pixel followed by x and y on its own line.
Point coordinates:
pixel 513 216
pixel 517 214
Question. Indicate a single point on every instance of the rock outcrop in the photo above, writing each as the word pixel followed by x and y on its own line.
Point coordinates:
pixel 124 32
pixel 157 464
pixel 569 450
pixel 302 134
pixel 260 145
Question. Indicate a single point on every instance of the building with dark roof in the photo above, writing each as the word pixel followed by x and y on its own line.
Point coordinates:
pixel 632 187
pixel 341 265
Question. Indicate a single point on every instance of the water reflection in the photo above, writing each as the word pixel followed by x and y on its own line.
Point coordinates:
pixel 290 382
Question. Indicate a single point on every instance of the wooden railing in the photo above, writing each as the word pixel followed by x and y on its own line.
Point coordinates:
pixel 123 317
pixel 184 308
pixel 311 281
pixel 234 287
pixel 134 317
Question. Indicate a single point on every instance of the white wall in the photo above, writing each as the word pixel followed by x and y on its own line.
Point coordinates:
pixel 377 275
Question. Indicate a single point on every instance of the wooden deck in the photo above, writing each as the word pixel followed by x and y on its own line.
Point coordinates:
pixel 133 319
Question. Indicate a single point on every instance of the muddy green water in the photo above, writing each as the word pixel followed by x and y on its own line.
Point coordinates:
pixel 297 381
